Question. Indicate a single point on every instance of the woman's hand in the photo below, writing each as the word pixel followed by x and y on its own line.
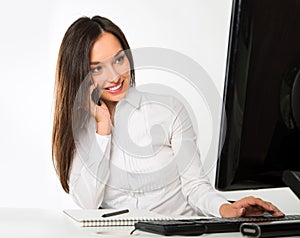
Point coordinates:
pixel 101 115
pixel 249 206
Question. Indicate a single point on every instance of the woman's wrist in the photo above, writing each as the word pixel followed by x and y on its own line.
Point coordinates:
pixel 103 128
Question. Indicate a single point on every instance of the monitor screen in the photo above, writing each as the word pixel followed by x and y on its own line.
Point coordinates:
pixel 260 129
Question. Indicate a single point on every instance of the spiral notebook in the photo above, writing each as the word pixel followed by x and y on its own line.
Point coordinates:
pixel 93 217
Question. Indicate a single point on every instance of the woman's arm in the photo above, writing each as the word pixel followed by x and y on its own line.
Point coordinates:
pixel 90 167
pixel 195 185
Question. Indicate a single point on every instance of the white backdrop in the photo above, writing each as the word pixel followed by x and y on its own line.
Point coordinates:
pixel 31 32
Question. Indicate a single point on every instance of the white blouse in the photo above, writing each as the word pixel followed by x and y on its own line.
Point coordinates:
pixel 149 161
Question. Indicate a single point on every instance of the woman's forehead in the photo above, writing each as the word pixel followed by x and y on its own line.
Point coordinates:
pixel 105 47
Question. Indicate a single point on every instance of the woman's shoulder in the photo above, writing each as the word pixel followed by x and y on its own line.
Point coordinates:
pixel 157 97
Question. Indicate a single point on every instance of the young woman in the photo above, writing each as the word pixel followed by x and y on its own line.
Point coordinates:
pixel 136 150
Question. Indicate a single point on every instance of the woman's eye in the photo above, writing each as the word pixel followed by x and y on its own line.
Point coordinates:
pixel 96 69
pixel 120 59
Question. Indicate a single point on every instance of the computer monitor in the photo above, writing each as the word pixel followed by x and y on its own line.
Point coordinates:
pixel 260 129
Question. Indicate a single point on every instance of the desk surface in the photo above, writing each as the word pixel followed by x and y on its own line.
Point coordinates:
pixel 41 223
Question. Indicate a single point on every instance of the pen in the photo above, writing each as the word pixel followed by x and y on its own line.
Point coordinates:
pixel 115 213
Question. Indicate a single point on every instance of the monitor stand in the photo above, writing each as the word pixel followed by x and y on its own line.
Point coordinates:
pixel 292 180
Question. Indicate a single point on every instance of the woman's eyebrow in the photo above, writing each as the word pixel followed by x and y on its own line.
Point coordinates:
pixel 114 56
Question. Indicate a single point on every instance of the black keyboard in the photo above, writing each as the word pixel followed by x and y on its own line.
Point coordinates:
pixel 200 226
pixel 215 225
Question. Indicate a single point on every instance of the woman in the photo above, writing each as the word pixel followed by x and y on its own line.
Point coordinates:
pixel 126 159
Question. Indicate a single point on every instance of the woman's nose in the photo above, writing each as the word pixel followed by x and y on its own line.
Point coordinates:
pixel 112 75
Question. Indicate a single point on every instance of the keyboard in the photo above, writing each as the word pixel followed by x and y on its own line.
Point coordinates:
pixel 215 225
pixel 205 225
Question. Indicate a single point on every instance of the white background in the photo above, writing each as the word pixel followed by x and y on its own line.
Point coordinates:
pixel 31 32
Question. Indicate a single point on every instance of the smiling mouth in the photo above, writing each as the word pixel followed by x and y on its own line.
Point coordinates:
pixel 115 89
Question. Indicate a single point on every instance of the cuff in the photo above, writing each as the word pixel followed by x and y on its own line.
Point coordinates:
pixel 103 141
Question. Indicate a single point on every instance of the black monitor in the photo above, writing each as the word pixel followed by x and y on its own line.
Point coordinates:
pixel 260 129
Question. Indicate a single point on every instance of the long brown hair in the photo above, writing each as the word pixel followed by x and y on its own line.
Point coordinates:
pixel 72 67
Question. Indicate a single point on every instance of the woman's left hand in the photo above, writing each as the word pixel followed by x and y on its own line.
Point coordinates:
pixel 249 206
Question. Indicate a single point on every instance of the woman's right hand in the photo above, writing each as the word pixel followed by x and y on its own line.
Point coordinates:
pixel 101 115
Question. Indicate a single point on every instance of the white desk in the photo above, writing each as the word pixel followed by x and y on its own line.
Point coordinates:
pixel 41 223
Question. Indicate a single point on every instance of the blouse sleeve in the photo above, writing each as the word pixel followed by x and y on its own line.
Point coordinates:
pixel 195 186
pixel 90 171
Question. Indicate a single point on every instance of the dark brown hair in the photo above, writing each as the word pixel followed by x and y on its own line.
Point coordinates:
pixel 72 67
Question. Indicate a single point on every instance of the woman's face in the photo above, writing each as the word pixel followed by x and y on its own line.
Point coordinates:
pixel 110 67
